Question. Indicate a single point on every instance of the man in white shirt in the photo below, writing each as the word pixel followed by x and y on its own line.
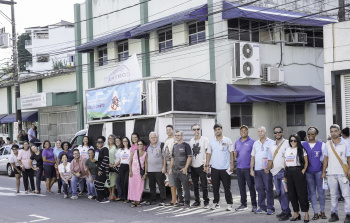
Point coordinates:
pixel 276 160
pixel 335 173
pixel 263 181
pixel 199 145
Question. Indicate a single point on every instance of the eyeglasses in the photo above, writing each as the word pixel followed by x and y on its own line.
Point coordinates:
pixel 99 142
pixel 293 140
pixel 279 132
pixel 311 134
pixel 196 129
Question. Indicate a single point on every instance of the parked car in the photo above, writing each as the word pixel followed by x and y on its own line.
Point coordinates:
pixel 5 165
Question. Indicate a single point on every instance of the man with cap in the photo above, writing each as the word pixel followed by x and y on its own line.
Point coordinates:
pixel 243 149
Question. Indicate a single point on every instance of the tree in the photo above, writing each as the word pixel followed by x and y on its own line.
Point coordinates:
pixel 23 54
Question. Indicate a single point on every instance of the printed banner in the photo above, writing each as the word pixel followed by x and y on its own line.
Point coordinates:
pixel 120 99
pixel 33 101
pixel 128 70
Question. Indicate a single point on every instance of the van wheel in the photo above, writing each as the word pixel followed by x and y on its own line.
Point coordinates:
pixel 10 172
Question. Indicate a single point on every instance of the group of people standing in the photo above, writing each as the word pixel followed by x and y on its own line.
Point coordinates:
pixel 296 168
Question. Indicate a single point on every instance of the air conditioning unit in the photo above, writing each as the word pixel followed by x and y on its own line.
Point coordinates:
pixel 296 38
pixel 247 60
pixel 5 40
pixel 273 74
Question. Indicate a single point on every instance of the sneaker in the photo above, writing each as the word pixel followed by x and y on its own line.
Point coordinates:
pixel 241 208
pixel 196 204
pixel 93 198
pixel 254 208
pixel 341 199
pixel 80 193
pixel 270 212
pixel 260 211
pixel 179 205
pixel 74 197
pixel 90 197
pixel 151 203
pixel 283 217
pixel 65 196
pixel 206 205
pixel 215 206
pixel 58 191
pixel 229 207
pixel 186 207
pixel 347 218
pixel 334 218
pixel 104 201
pixel 162 203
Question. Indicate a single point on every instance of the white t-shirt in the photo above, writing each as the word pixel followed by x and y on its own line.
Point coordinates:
pixel 13 159
pixel 292 157
pixel 124 156
pixel 278 162
pixel 65 172
pixel 83 150
pixel 343 151
pixel 117 157
pixel 199 148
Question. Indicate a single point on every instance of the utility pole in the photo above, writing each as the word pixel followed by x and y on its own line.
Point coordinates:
pixel 341 11
pixel 15 63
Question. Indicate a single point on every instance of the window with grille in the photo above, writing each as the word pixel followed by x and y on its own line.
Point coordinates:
pixel 123 51
pixel 241 114
pixel 165 38
pixel 196 32
pixel 295 114
pixel 102 55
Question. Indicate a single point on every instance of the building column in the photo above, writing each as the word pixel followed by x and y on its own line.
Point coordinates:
pixel 78 69
pixel 89 37
pixel 146 65
pixel 39 89
pixel 9 111
pixel 211 40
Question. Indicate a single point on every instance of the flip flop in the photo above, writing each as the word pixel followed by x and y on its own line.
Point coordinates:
pixel 169 204
pixel 133 205
pixel 138 205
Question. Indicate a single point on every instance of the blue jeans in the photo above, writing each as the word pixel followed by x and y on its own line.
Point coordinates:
pixel 282 195
pixel 91 186
pixel 243 177
pixel 314 181
pixel 333 182
pixel 119 188
pixel 264 187
pixel 67 188
pixel 74 182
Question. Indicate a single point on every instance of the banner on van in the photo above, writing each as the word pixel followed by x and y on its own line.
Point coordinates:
pixel 122 99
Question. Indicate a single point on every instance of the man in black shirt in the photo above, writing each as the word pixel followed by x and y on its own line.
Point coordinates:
pixel 180 161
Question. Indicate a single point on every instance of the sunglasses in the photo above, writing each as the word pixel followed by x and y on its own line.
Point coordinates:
pixel 196 129
pixel 279 132
pixel 99 142
pixel 311 134
pixel 293 140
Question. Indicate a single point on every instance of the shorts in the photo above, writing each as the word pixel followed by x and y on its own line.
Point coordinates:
pixel 15 171
pixel 49 171
pixel 171 178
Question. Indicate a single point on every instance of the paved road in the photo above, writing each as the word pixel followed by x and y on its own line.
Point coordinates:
pixel 53 208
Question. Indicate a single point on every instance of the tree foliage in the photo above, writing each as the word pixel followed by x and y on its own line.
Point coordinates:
pixel 23 54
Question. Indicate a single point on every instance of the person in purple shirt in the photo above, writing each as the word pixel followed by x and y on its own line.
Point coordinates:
pixel 66 150
pixel 49 166
pixel 243 149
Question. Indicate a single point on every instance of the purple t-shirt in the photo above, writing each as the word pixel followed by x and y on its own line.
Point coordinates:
pixel 49 156
pixel 244 150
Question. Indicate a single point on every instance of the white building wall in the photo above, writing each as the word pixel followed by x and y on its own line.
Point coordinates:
pixel 83 24
pixel 28 88
pixel 3 96
pixel 63 83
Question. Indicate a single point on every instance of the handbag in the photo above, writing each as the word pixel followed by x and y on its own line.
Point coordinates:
pixel 142 171
pixel 343 165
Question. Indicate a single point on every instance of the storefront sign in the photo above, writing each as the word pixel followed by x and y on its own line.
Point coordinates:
pixel 33 101
pixel 115 100
pixel 126 71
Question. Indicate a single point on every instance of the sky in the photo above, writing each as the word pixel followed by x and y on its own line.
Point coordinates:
pixel 29 13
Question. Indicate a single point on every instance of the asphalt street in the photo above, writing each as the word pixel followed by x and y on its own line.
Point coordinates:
pixel 20 208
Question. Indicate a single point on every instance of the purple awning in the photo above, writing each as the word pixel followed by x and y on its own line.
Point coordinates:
pixel 234 10
pixel 26 117
pixel 263 93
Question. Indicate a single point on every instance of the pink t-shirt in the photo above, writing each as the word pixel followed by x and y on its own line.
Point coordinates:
pixel 24 157
pixel 133 147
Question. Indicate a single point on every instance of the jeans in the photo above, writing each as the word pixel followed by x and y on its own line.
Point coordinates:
pixel 243 177
pixel 282 195
pixel 118 185
pixel 39 173
pixel 181 181
pixel 28 173
pixel 333 181
pixel 157 178
pixel 67 188
pixel 264 187
pixel 91 186
pixel 196 174
pixel 314 181
pixel 74 182
pixel 216 177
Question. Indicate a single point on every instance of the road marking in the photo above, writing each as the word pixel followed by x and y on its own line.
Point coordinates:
pixel 41 218
pixel 10 192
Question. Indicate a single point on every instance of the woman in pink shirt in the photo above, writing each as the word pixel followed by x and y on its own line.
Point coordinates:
pixel 23 160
